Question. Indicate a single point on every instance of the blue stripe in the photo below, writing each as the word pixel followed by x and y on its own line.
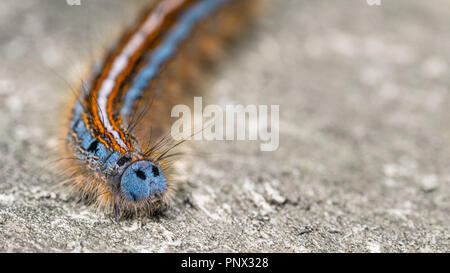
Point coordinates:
pixel 86 139
pixel 165 52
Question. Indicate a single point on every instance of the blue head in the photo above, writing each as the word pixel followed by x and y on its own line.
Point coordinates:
pixel 141 180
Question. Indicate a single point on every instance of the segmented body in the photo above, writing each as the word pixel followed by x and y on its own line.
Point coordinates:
pixel 118 172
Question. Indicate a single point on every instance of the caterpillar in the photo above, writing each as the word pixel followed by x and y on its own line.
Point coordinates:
pixel 161 54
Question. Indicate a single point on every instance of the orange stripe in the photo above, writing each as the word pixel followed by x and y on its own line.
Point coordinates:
pixel 104 74
pixel 120 78
pixel 96 119
pixel 86 123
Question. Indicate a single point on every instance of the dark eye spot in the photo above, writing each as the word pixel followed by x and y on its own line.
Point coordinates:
pixel 141 174
pixel 155 171
pixel 93 147
pixel 123 160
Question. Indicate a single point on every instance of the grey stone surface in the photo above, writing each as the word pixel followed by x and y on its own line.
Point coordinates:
pixel 364 156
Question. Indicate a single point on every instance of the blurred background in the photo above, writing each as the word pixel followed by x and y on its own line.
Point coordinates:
pixel 363 162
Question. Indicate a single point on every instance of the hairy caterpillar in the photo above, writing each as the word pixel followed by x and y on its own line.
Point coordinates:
pixel 161 53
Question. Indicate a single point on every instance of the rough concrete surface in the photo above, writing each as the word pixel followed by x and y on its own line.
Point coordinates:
pixel 364 156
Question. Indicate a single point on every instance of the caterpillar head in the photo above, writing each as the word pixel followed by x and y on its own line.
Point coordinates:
pixel 142 179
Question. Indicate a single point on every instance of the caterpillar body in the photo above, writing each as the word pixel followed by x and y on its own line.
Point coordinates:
pixel 112 168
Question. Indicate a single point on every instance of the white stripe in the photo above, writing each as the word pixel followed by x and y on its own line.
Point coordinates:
pixel 150 24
